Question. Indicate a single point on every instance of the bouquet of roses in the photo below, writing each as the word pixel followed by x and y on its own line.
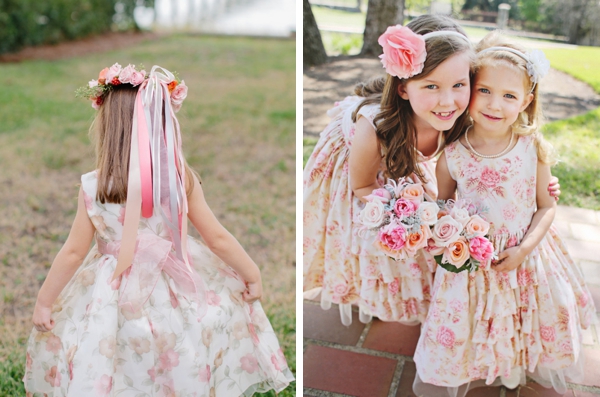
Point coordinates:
pixel 460 237
pixel 400 216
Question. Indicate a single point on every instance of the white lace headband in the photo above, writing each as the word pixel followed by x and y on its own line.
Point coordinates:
pixel 404 51
pixel 537 64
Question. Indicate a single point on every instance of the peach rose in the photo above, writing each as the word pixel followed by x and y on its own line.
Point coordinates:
pixel 416 241
pixel 429 212
pixel 102 76
pixel 477 227
pixel 446 231
pixel 403 51
pixel 413 192
pixel 457 253
pixel 178 95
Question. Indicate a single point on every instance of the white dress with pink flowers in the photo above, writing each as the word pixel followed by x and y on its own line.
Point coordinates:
pixel 489 327
pixel 339 264
pixel 152 331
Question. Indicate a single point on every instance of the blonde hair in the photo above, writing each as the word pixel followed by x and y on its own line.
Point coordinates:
pixel 111 131
pixel 529 120
pixel 395 128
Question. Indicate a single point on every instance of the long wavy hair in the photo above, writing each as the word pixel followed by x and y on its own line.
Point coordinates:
pixel 111 133
pixel 394 124
pixel 529 120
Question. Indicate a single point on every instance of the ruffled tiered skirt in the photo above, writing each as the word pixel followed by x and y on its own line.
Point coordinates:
pixel 489 327
pixel 168 347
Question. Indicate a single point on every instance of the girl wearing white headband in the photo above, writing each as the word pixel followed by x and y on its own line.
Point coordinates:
pixel 149 310
pixel 395 127
pixel 520 315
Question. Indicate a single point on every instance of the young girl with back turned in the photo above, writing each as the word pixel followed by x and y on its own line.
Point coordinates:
pixel 149 310
pixel 521 314
pixel 393 128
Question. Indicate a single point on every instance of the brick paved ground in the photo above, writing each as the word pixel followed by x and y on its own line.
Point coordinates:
pixel 375 359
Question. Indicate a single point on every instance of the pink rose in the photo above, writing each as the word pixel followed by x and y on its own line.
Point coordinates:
pixel 113 72
pixel 547 333
pixel 393 236
pixel 445 337
pixel 433 249
pixel 413 192
pixel 404 207
pixel 380 194
pixel 53 376
pixel 476 227
pixel 249 363
pixel 126 74
pixel 490 177
pixel 138 78
pixel 93 83
pixel 403 51
pixel 373 214
pixel 481 249
pixel 446 231
pixel 178 95
pixel 104 385
pixel 457 253
pixel 204 374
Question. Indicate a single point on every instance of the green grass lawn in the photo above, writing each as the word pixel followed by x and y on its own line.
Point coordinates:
pixel 238 127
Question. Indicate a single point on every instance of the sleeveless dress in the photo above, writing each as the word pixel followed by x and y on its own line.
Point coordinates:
pixel 343 267
pixel 489 324
pixel 163 343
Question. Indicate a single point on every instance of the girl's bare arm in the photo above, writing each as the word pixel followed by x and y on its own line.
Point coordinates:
pixel 365 159
pixel 446 185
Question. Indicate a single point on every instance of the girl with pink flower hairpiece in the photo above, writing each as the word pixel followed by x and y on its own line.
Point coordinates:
pixel 148 310
pixel 395 127
pixel 523 315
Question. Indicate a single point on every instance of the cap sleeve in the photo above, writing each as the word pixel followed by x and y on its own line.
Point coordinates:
pixel 89 185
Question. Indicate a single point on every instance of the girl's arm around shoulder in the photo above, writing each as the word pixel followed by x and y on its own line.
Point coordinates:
pixel 222 243
pixel 540 223
pixel 365 159
pixel 446 185
pixel 68 259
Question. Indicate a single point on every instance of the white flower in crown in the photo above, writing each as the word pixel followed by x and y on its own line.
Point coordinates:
pixel 538 66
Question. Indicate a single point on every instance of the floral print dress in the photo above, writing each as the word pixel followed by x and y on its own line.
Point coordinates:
pixel 489 324
pixel 339 264
pixel 167 344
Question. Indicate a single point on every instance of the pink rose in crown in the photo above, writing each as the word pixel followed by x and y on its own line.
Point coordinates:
pixel 404 207
pixel 178 95
pixel 93 83
pixel 446 231
pixel 481 249
pixel 413 192
pixel 380 194
pixel 138 78
pixel 113 72
pixel 403 51
pixel 127 74
pixel 393 236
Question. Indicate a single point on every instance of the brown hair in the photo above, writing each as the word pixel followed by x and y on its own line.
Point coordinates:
pixel 395 128
pixel 111 132
pixel 529 121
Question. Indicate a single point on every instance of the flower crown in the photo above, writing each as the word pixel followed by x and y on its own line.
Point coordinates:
pixel 537 64
pixel 404 51
pixel 116 75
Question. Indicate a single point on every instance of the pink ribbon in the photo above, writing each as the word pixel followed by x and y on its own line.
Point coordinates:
pixel 152 256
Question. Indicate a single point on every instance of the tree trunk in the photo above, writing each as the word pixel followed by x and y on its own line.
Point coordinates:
pixel 314 52
pixel 380 15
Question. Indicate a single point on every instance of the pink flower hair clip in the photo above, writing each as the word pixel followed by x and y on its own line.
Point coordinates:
pixel 116 75
pixel 404 51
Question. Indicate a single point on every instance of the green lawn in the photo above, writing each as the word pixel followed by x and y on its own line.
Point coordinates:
pixel 238 127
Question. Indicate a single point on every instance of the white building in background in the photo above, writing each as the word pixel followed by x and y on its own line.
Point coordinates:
pixel 276 18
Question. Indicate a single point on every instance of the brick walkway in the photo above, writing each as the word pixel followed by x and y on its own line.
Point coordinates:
pixel 375 359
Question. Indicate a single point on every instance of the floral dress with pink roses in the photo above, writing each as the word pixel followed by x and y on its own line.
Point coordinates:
pixel 152 331
pixel 488 327
pixel 339 264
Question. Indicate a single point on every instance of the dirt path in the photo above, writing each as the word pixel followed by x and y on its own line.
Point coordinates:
pixel 563 96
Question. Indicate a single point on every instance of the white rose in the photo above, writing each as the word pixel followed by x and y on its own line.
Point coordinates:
pixel 373 214
pixel 446 231
pixel 461 215
pixel 429 212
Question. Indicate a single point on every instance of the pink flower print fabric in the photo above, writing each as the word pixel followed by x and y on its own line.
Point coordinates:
pixel 163 344
pixel 486 324
pixel 338 264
